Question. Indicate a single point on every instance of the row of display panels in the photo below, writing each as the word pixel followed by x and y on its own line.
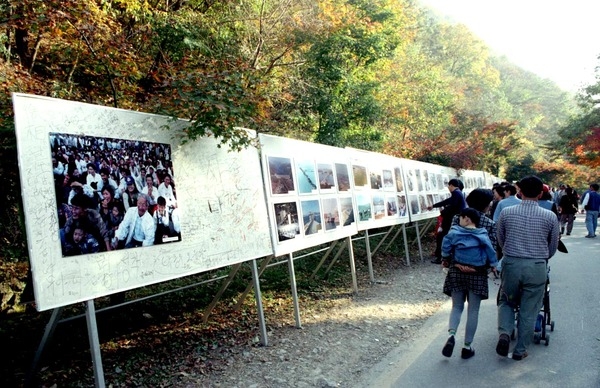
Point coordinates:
pixel 225 207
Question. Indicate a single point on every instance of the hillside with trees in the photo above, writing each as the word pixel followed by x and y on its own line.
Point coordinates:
pixel 383 75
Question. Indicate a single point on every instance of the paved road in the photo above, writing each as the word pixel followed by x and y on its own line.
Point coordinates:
pixel 572 358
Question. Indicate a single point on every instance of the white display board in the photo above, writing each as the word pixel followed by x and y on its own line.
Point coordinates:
pixel 426 184
pixel 309 193
pixel 473 179
pixel 379 193
pixel 219 194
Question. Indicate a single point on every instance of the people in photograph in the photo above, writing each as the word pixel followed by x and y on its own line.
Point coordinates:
pixel 137 228
pixel 93 179
pixel 166 190
pixel 82 215
pixel 167 222
pixel 151 191
pixel 80 242
pixel 131 194
pixel 528 235
pixel 107 181
pixel 468 253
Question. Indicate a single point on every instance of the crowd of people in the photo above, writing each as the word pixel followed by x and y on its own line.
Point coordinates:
pixel 113 194
pixel 512 229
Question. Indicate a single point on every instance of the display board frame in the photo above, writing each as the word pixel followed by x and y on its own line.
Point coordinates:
pixel 220 195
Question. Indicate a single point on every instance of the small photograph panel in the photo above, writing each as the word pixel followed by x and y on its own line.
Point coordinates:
pixel 411 181
pixel 388 180
pixel 307 177
pixel 422 204
pixel 414 205
pixel 445 180
pixel 398 177
pixel 427 183
pixel 391 206
pixel 331 213
pixel 419 180
pixel 440 181
pixel 343 177
pixel 360 176
pixel 311 216
pixel 281 175
pixel 378 206
pixel 429 201
pixel 286 215
pixel 347 211
pixel 375 179
pixel 326 178
pixel 402 208
pixel 363 203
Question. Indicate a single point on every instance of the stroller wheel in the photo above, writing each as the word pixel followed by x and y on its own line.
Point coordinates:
pixel 537 338
pixel 547 342
pixel 552 326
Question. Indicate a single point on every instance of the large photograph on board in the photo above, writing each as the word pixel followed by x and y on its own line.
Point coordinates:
pixel 114 200
pixel 113 193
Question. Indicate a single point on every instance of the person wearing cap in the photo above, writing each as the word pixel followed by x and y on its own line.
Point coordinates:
pixel 546 202
pixel 451 206
pixel 510 199
pixel 468 253
pixel 528 235
pixel 131 194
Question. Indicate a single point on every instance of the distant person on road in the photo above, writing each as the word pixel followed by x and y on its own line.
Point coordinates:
pixel 528 235
pixel 468 253
pixel 568 207
pixel 591 204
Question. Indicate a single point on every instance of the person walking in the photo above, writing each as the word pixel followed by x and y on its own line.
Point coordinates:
pixel 451 206
pixel 591 205
pixel 568 208
pixel 467 252
pixel 510 199
pixel 528 235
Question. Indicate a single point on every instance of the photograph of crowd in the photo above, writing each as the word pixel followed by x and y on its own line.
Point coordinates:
pixel 113 193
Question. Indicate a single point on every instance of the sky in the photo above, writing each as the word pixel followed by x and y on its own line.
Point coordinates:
pixel 554 39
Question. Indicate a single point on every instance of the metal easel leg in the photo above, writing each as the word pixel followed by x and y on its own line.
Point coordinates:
pixel 90 316
pixel 259 307
pixel 294 290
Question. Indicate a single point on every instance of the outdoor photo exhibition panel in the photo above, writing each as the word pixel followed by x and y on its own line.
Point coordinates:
pixel 309 193
pixel 472 180
pixel 426 184
pixel 379 189
pixel 214 214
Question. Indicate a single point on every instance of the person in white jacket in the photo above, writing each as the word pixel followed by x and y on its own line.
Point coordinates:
pixel 137 228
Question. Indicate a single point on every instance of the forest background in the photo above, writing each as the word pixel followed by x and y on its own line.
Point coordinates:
pixel 381 75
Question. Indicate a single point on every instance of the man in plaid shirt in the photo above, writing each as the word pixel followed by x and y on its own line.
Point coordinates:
pixel 528 235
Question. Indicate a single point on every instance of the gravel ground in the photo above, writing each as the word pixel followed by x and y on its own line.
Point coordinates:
pixel 340 339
